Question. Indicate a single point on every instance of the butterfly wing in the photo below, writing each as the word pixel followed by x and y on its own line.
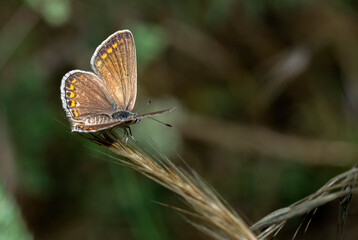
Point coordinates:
pixel 114 61
pixel 85 99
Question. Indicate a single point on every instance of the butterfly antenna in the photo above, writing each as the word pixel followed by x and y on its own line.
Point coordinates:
pixel 166 124
pixel 141 108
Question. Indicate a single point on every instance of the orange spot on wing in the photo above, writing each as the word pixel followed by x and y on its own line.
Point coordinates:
pixel 71 87
pixel 75 113
pixel 72 95
pixel 99 63
pixel 73 103
pixel 104 56
pixel 114 45
pixel 109 50
pixel 121 41
pixel 73 80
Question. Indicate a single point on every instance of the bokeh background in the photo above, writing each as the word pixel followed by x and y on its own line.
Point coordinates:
pixel 266 97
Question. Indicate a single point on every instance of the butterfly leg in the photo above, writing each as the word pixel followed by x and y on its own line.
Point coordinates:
pixel 130 133
pixel 125 135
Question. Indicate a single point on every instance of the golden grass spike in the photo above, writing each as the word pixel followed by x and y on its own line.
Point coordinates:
pixel 209 213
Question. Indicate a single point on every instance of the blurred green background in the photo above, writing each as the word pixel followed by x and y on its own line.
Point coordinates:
pixel 267 111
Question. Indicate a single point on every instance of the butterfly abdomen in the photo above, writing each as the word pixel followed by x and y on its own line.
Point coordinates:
pixel 98 119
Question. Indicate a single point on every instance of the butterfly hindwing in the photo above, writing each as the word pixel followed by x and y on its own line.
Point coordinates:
pixel 84 96
pixel 114 61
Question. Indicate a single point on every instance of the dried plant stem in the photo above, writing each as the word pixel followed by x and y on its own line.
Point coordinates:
pixel 341 186
pixel 210 213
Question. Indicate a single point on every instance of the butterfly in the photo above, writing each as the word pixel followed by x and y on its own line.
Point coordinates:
pixel 105 98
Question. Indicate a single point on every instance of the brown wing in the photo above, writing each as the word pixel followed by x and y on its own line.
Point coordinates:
pixel 84 95
pixel 114 61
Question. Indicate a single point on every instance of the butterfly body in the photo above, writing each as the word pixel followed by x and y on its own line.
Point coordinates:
pixel 123 115
pixel 104 98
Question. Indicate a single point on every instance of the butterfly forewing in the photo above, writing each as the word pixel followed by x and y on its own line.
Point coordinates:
pixel 84 95
pixel 114 61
